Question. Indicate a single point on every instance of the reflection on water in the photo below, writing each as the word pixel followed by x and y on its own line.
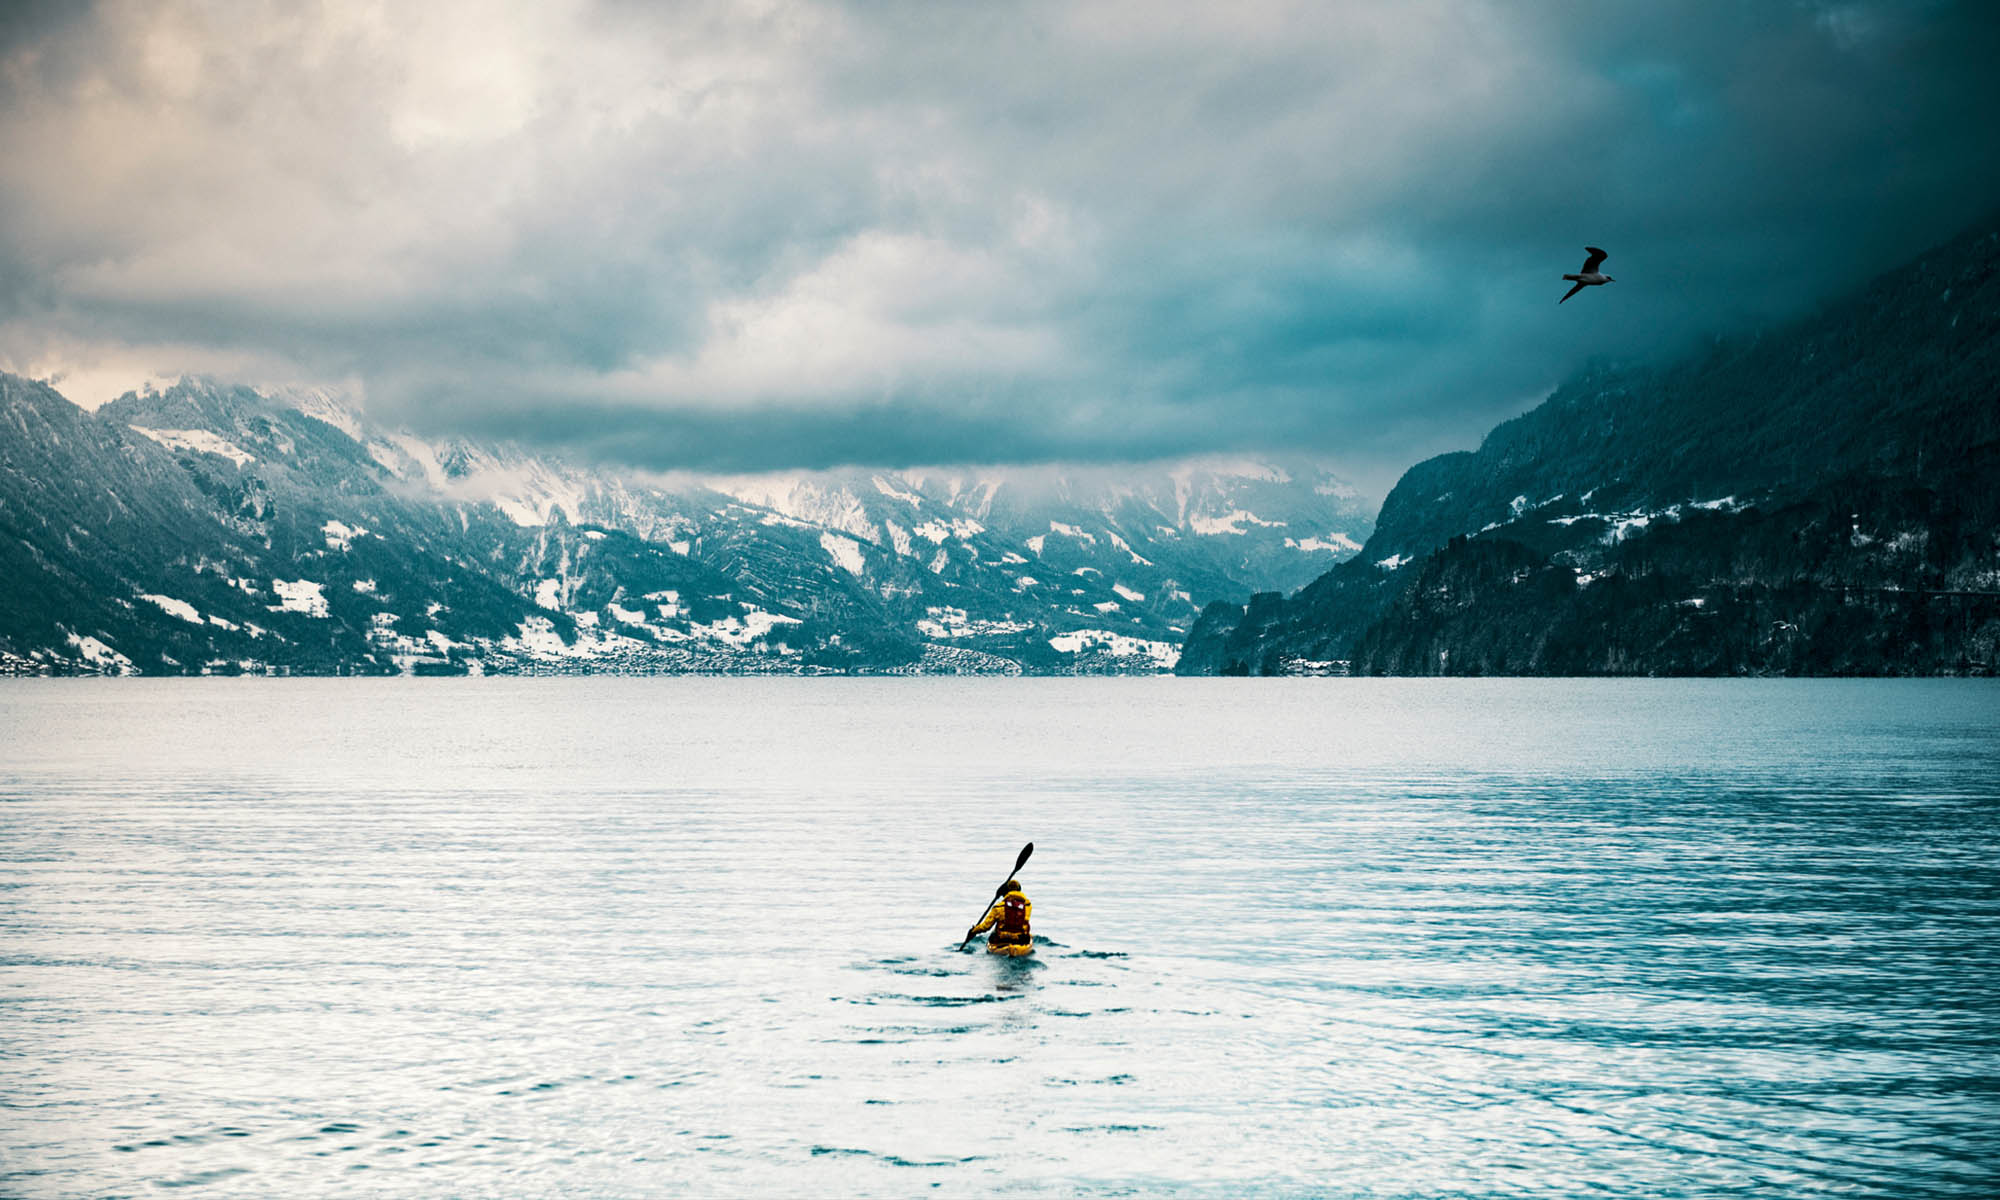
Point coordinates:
pixel 696 937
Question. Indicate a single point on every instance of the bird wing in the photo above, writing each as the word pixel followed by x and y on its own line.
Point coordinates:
pixel 1573 291
pixel 1595 260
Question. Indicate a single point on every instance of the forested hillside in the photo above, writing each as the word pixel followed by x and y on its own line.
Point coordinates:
pixel 1820 498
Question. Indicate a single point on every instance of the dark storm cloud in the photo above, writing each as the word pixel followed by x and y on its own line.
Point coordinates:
pixel 740 236
pixel 27 22
pixel 982 429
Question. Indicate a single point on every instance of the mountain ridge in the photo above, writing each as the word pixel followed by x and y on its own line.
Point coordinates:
pixel 284 531
pixel 1881 402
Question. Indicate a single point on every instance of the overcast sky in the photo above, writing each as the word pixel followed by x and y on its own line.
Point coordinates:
pixel 758 235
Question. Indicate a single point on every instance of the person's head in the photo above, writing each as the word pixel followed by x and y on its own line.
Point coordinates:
pixel 1012 885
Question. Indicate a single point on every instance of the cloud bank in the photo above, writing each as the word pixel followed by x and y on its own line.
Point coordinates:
pixel 772 234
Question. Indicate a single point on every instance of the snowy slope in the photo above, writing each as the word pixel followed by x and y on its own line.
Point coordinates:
pixel 311 539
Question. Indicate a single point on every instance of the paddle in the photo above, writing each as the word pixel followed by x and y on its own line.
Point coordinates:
pixel 1025 852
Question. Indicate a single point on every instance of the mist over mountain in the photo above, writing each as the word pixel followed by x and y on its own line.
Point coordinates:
pixel 213 528
pixel 1815 498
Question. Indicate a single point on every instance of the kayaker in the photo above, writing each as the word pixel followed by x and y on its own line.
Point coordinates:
pixel 1008 919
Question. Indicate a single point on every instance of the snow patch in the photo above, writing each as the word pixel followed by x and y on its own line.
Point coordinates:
pixel 741 631
pixel 844 552
pixel 1232 522
pixel 1625 526
pixel 1128 593
pixel 548 593
pixel 173 607
pixel 340 535
pixel 959 527
pixel 1163 654
pixel 539 637
pixel 98 654
pixel 542 495
pixel 947 624
pixel 199 440
pixel 887 489
pixel 300 596
pixel 1126 546
pixel 1393 562
pixel 1332 542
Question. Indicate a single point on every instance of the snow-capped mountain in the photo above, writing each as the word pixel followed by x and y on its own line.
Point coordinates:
pixel 1204 527
pixel 283 530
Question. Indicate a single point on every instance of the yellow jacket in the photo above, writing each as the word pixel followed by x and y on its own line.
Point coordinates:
pixel 993 913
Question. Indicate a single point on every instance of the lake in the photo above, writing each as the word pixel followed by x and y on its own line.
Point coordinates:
pixel 697 936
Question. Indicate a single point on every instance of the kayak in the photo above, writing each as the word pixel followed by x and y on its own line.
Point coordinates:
pixel 1010 951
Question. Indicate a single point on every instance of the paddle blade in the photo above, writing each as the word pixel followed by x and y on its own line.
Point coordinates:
pixel 1025 852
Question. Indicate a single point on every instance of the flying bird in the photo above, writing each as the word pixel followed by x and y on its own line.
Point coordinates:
pixel 1590 276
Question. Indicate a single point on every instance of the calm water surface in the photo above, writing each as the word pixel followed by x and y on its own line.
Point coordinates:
pixel 696 937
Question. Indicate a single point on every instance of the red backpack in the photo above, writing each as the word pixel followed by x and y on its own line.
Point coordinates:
pixel 1013 914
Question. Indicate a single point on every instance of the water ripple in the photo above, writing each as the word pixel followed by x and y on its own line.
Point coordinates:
pixel 698 937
